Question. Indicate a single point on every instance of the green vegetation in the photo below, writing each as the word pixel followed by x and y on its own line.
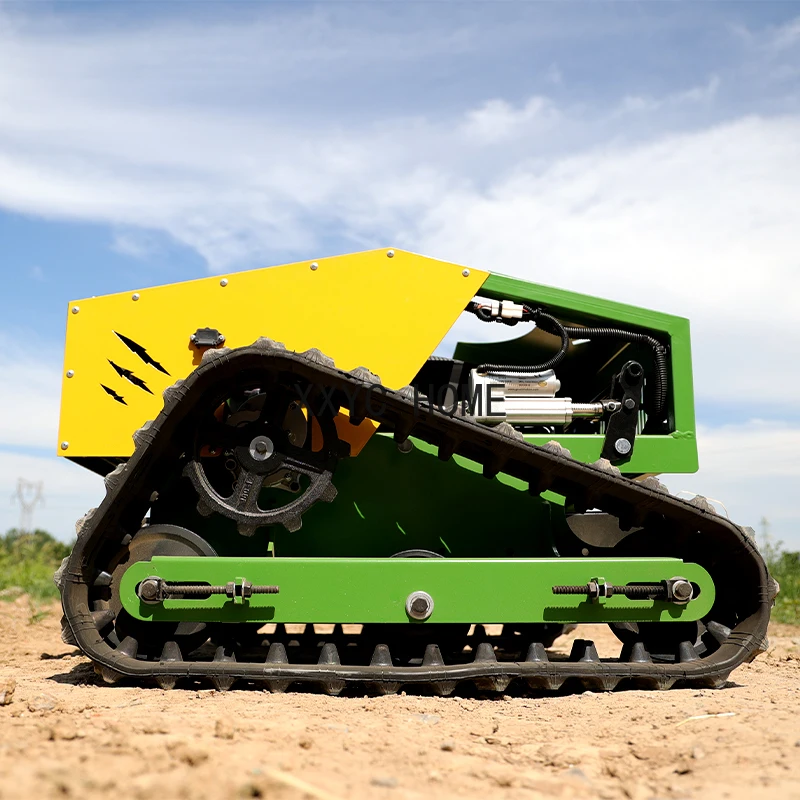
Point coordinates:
pixel 27 564
pixel 28 561
pixel 784 566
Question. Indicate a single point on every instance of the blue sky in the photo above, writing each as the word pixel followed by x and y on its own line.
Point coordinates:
pixel 648 152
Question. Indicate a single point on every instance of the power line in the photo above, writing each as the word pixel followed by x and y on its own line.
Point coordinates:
pixel 29 494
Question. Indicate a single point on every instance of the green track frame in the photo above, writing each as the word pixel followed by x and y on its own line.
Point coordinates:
pixel 364 590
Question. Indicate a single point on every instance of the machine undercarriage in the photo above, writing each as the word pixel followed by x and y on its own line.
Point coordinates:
pixel 426 530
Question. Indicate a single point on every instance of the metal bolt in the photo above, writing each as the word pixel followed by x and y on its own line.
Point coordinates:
pixel 630 403
pixel 390 253
pixel 75 309
pixel 261 448
pixel 465 273
pixel 682 591
pixel 223 282
pixel 220 339
pixel 70 373
pixel 135 296
pixel 405 447
pixel 314 267
pixel 64 445
pixel 150 590
pixel 622 446
pixel 419 605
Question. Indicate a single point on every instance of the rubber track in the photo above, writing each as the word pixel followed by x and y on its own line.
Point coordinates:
pixel 737 569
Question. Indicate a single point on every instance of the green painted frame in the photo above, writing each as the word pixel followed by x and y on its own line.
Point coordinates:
pixel 674 452
pixel 362 590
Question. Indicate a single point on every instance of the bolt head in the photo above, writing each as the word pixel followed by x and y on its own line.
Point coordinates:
pixel 223 282
pixel 314 267
pixel 630 403
pixel 682 590
pixel 261 448
pixel 64 445
pixel 623 446
pixel 465 273
pixel 419 605
pixel 148 590
pixel 70 373
pixel 75 309
pixel 135 296
pixel 390 253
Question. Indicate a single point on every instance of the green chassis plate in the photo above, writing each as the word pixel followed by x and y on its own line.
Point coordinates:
pixel 362 590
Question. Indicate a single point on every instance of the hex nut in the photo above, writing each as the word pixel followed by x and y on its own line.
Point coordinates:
pixel 419 605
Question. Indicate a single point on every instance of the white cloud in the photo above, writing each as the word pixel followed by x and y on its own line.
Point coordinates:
pixel 498 120
pixel 207 134
pixel 30 387
pixel 786 36
pixel 696 94
pixel 702 225
pixel 753 470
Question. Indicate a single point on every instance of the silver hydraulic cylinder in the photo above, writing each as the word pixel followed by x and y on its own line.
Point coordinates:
pixel 525 399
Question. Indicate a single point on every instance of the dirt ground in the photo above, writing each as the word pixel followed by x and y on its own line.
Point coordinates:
pixel 64 734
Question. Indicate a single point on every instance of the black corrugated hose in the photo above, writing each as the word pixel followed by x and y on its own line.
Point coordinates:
pixel 551 325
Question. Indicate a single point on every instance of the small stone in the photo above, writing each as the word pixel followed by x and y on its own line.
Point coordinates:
pixel 224 728
pixel 192 756
pixel 448 745
pixel 430 719
pixel 574 772
pixel 63 730
pixel 7 691
pixel 42 702
pixel 305 744
pixel 698 753
pixel 384 783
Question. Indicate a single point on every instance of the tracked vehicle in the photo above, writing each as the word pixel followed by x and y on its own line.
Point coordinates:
pixel 298 491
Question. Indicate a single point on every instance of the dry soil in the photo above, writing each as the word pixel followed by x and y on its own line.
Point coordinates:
pixel 65 734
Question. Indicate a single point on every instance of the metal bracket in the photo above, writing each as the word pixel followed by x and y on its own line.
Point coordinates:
pixel 621 426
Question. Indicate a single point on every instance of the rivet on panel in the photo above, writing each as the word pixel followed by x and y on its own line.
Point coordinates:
pixel 465 273
pixel 70 373
pixel 223 282
pixel 314 267
pixel 75 309
pixel 390 253
pixel 135 296
pixel 64 445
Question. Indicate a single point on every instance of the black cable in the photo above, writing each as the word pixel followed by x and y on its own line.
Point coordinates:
pixel 550 324
pixel 547 323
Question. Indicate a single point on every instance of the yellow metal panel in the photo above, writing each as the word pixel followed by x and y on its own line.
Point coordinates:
pixel 387 313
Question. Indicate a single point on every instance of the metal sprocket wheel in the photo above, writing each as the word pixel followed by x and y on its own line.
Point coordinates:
pixel 269 442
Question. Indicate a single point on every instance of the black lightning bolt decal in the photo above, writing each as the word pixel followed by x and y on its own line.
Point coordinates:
pixel 118 397
pixel 141 352
pixel 129 376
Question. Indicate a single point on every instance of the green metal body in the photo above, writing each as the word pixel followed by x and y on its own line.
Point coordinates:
pixel 674 452
pixel 364 590
pixel 497 540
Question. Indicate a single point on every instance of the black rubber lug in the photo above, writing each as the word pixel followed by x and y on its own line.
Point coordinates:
pixel 584 650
